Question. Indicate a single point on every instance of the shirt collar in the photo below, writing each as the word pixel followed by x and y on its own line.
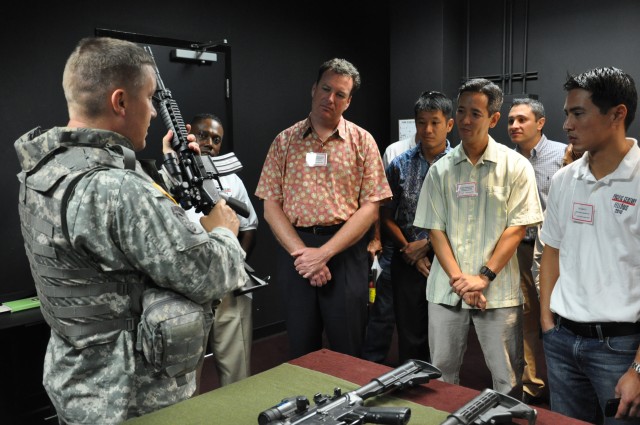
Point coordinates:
pixel 629 162
pixel 490 153
pixel 417 151
pixel 624 171
pixel 340 131
pixel 542 143
pixel 539 147
pixel 582 171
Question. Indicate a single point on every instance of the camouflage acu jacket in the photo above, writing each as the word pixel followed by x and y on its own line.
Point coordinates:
pixel 110 226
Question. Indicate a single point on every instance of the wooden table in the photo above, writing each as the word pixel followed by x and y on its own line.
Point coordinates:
pixel 319 372
pixel 436 394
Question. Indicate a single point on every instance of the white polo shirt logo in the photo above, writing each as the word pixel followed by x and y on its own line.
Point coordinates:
pixel 621 203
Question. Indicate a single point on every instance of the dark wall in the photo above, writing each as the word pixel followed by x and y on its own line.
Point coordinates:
pixel 401 51
pixel 276 54
pixel 416 56
pixel 427 53
pixel 569 36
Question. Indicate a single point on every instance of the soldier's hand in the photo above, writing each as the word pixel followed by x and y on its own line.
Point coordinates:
pixel 191 140
pixel 221 216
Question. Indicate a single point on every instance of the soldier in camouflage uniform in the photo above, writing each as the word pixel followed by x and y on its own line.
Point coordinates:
pixel 98 232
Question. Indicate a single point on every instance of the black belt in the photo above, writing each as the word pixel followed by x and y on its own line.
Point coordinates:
pixel 321 230
pixel 597 330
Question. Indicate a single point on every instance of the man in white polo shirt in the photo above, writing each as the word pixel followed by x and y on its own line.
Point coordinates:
pixel 590 271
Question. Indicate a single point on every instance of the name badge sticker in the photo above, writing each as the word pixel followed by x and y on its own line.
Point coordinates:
pixel 466 189
pixel 582 213
pixel 314 159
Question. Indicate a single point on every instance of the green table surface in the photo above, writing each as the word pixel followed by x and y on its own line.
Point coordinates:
pixel 240 403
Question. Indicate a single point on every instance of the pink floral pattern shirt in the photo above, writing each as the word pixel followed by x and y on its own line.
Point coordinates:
pixel 323 195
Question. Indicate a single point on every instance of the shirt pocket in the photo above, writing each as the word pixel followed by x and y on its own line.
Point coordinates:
pixel 496 207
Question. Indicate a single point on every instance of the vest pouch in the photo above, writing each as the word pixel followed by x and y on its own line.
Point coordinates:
pixel 171 332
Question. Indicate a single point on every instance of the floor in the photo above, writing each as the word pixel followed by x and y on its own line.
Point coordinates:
pixel 272 351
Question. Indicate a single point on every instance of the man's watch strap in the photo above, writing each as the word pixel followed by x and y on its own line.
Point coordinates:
pixel 486 271
pixel 636 366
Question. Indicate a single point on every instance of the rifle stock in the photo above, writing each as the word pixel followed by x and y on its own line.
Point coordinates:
pixel 491 407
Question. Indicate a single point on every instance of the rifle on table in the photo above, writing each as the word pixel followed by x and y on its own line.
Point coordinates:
pixel 349 409
pixel 195 174
pixel 491 407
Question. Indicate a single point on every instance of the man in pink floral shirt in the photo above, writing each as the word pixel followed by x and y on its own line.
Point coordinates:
pixel 322 183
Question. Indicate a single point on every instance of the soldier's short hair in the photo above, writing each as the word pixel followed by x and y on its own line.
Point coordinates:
pixel 97 66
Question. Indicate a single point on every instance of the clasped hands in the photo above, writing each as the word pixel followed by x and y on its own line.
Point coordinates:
pixel 415 254
pixel 469 288
pixel 311 263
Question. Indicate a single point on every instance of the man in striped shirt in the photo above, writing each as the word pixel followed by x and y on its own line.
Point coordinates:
pixel 477 202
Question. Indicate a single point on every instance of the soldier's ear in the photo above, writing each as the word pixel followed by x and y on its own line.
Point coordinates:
pixel 118 101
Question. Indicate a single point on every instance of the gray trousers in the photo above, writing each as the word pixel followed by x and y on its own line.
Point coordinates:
pixel 499 332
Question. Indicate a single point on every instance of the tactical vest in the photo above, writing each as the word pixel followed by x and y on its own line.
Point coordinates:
pixel 81 302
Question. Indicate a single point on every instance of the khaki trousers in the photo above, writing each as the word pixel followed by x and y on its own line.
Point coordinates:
pixel 531 381
pixel 230 340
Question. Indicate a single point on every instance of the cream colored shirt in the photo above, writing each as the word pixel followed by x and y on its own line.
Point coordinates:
pixel 473 205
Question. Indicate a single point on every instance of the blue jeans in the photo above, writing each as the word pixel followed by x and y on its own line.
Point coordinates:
pixel 583 372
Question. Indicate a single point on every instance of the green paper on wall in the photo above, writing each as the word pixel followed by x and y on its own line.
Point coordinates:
pixel 23 304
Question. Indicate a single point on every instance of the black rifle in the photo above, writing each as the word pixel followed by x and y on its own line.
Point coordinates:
pixel 349 409
pixel 196 176
pixel 194 173
pixel 491 407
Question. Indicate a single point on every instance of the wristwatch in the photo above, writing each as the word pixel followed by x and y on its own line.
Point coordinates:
pixel 486 271
pixel 635 366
